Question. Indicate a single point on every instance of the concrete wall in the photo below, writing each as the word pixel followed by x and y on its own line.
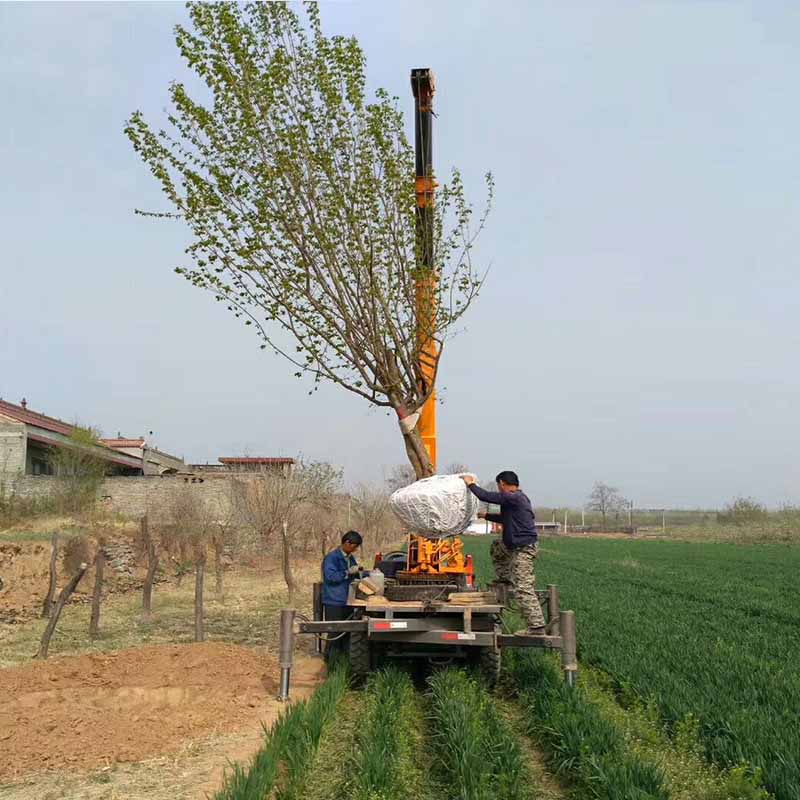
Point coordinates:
pixel 13 449
pixel 134 496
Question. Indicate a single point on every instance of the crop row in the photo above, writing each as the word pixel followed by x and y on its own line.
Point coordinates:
pixel 280 765
pixel 703 631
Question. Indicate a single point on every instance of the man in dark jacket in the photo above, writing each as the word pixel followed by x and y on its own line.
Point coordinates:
pixel 339 570
pixel 520 541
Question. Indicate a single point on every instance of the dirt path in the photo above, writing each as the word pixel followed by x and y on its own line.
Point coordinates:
pixel 156 721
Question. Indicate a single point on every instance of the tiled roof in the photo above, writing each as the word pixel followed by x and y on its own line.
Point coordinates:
pixel 29 417
pixel 254 460
pixel 123 442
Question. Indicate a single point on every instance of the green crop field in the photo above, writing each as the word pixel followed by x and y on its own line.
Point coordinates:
pixel 708 634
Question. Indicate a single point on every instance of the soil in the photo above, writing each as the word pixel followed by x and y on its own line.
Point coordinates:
pixel 25 572
pixel 92 711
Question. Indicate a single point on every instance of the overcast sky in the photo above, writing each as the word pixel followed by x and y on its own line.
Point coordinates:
pixel 640 325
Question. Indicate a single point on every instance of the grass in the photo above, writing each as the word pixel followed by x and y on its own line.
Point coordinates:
pixel 280 766
pixel 385 763
pixel 582 744
pixel 695 631
pixel 248 615
pixel 477 754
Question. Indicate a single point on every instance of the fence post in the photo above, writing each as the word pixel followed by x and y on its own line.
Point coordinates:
pixel 318 614
pixel 285 650
pixel 569 646
pixel 553 610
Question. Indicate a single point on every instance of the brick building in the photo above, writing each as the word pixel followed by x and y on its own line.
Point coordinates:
pixel 280 465
pixel 28 437
pixel 154 461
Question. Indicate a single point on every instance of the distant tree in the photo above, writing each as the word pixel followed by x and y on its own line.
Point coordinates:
pixel 190 521
pixel 301 198
pixel 605 499
pixel 456 468
pixel 79 468
pixel 743 511
pixel 400 476
pixel 373 517
pixel 275 505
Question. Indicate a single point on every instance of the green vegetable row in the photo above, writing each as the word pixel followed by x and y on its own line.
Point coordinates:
pixel 478 755
pixel 280 765
pixel 702 630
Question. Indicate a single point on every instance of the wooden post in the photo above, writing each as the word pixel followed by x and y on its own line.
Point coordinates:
pixel 47 605
pixel 569 647
pixel 199 574
pixel 553 610
pixel 147 589
pixel 287 561
pixel 62 599
pixel 99 565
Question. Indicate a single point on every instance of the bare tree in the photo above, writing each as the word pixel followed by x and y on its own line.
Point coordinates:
pixel 189 521
pixel 374 518
pixel 456 468
pixel 400 476
pixel 300 194
pixel 605 499
pixel 276 505
pixel 79 468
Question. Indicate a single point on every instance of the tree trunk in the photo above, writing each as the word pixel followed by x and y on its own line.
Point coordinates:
pixel 219 570
pixel 62 599
pixel 418 454
pixel 47 605
pixel 287 561
pixel 199 574
pixel 99 566
pixel 147 589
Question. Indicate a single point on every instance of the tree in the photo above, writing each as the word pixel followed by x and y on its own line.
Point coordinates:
pixel 400 476
pixel 79 468
pixel 743 511
pixel 300 195
pixel 273 504
pixel 374 517
pixel 190 522
pixel 605 499
pixel 456 468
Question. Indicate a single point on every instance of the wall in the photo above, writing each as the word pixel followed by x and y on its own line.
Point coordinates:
pixel 134 496
pixel 13 446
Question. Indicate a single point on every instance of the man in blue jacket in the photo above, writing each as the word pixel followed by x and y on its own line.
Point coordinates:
pixel 520 541
pixel 339 570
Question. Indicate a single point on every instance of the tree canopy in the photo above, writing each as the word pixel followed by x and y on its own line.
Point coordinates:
pixel 299 192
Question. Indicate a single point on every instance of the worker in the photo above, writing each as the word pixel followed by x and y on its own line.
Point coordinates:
pixel 339 570
pixel 515 556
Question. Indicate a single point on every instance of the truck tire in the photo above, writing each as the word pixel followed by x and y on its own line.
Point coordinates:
pixel 360 661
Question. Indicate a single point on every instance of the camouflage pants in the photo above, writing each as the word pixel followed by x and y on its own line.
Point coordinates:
pixel 518 567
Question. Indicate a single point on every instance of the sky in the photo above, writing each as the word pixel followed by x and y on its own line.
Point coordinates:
pixel 640 322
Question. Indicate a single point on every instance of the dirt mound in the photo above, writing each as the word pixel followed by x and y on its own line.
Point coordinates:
pixel 92 710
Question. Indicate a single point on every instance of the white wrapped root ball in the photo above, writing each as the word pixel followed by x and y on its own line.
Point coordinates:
pixel 436 507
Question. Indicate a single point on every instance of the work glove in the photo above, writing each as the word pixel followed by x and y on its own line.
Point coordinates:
pixel 354 570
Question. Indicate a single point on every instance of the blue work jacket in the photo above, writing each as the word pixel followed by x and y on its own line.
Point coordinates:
pixel 335 580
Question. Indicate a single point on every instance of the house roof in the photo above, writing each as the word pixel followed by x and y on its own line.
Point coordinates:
pixel 123 442
pixel 29 417
pixel 254 460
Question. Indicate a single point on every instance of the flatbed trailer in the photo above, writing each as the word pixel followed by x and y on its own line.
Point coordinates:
pixel 444 631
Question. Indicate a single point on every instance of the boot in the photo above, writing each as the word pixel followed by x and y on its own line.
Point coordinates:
pixel 541 630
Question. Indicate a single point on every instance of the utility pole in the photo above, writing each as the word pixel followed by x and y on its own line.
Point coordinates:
pixel 422 84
